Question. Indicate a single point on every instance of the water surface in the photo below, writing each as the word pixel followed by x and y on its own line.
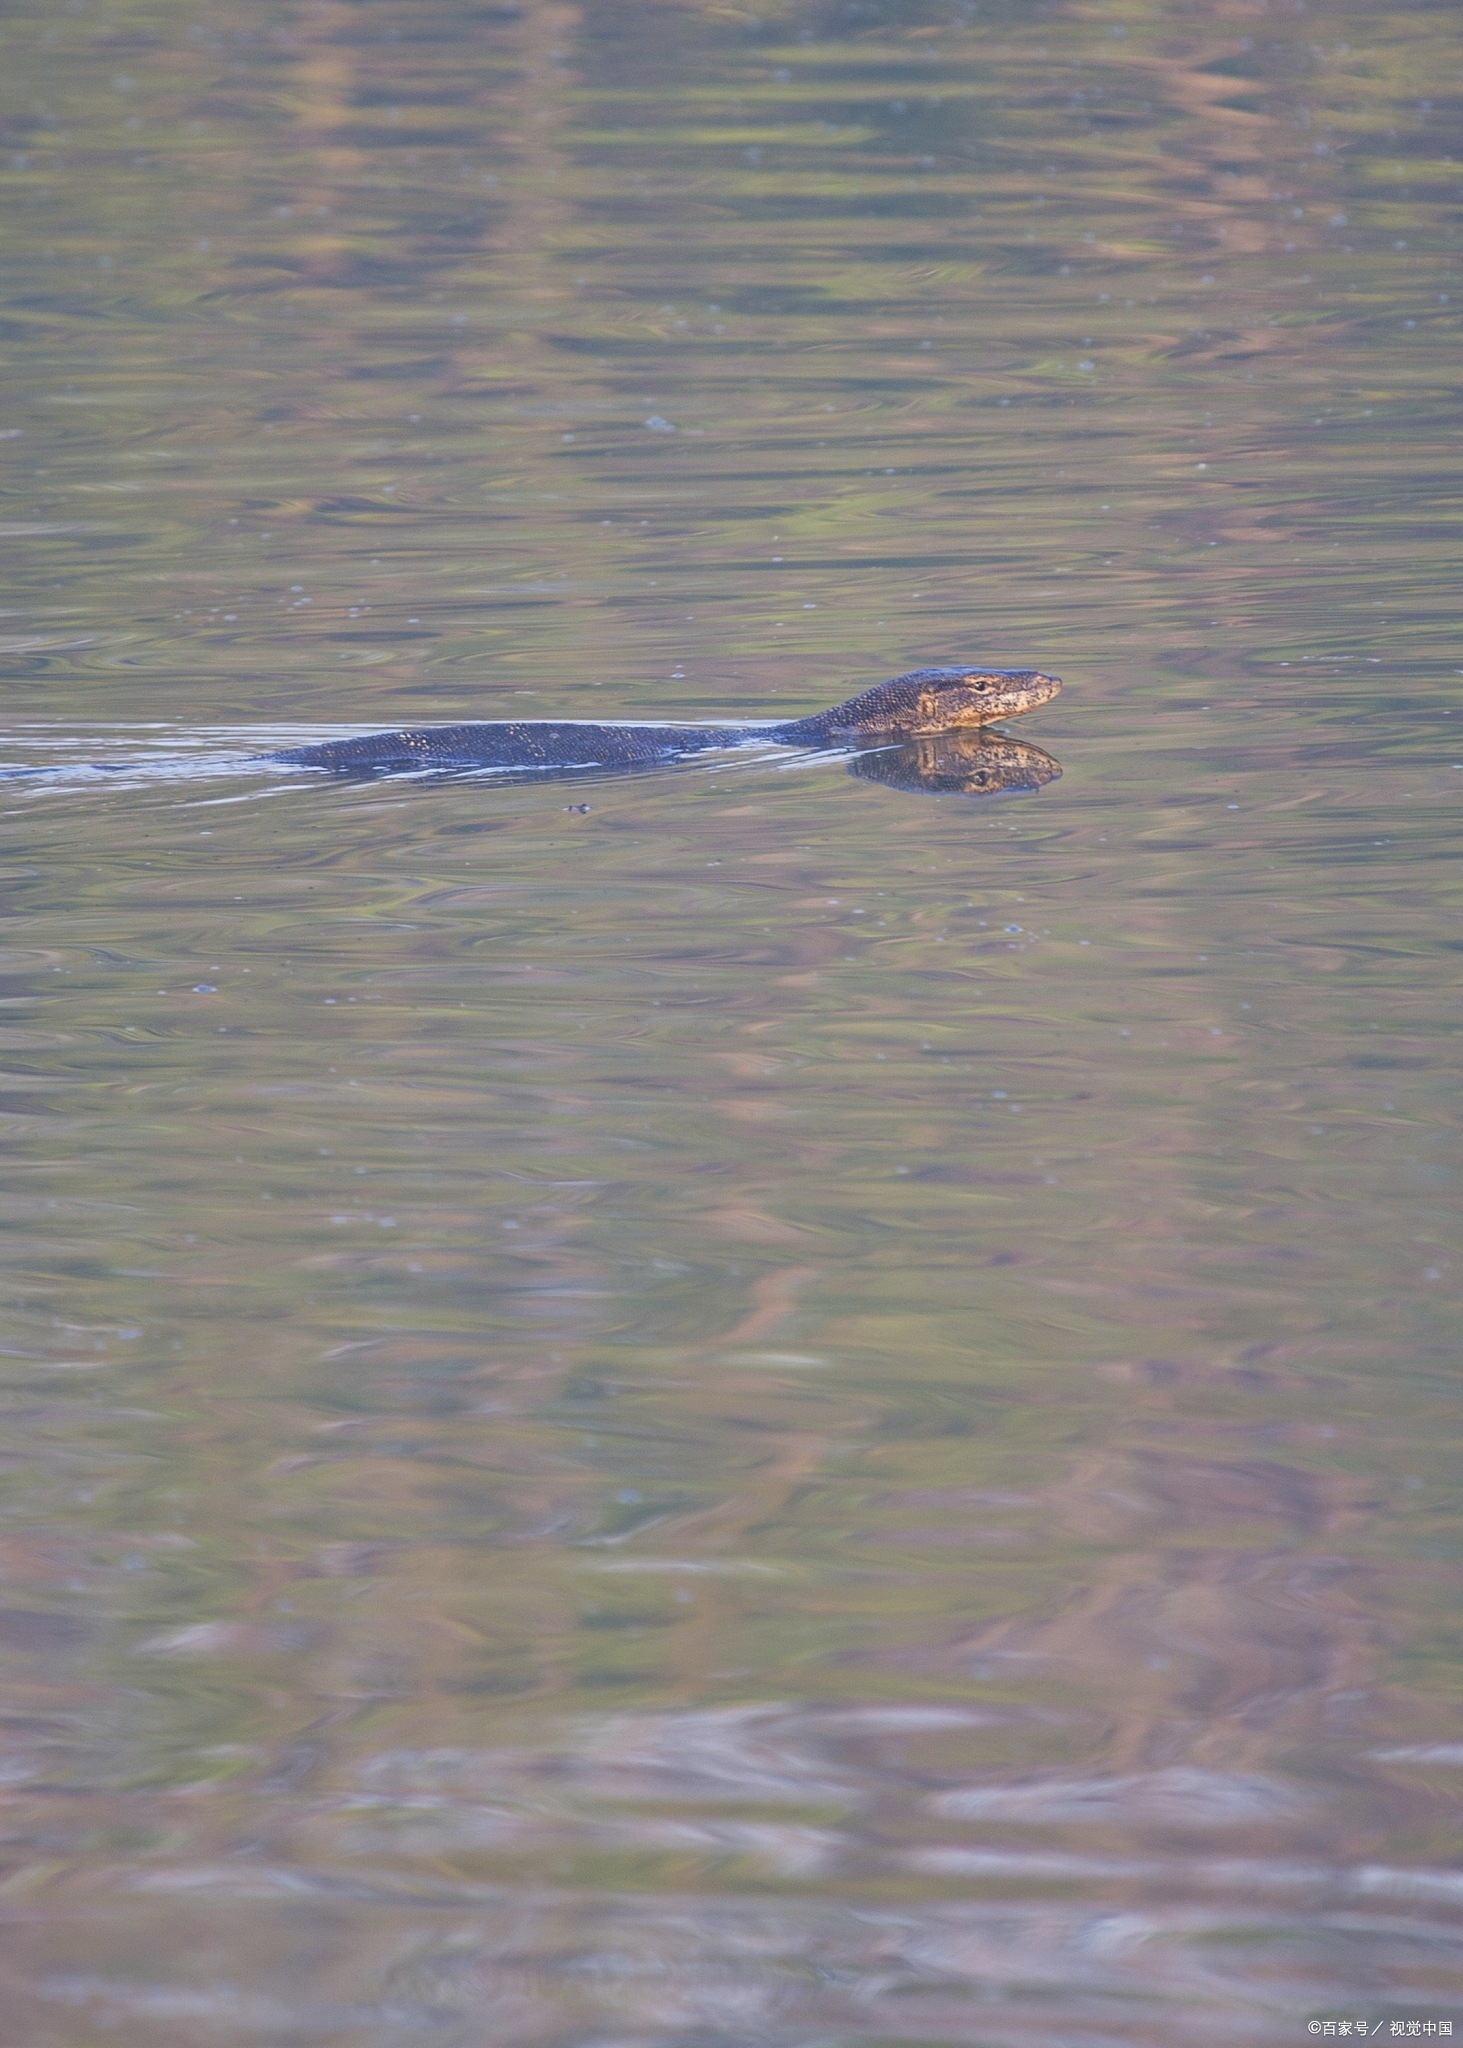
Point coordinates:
pixel 741 1405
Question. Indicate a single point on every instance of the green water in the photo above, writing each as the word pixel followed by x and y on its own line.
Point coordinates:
pixel 731 1408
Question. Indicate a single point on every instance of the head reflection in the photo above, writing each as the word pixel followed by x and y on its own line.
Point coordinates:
pixel 975 762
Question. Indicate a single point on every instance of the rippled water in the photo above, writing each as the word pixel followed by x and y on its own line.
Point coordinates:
pixel 830 1418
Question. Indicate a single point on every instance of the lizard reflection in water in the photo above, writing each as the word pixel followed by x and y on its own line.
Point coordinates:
pixel 959 764
pixel 926 705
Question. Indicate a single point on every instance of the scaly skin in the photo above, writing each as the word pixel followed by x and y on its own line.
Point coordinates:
pixel 927 702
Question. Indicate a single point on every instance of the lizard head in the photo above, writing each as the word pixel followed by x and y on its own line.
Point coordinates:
pixel 942 698
pixel 934 700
